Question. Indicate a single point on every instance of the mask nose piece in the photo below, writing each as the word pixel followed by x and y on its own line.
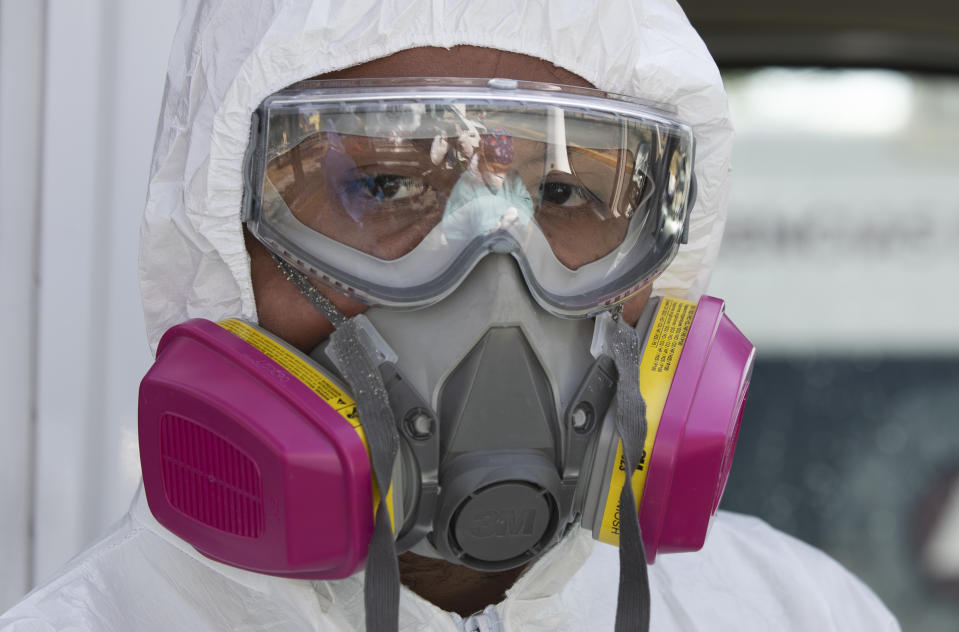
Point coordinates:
pixel 503 246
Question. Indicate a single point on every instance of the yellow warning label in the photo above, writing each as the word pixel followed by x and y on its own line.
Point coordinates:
pixel 312 379
pixel 656 370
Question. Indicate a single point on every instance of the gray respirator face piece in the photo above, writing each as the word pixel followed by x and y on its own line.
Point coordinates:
pixel 487 470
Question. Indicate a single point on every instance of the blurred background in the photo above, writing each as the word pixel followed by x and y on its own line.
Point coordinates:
pixel 840 261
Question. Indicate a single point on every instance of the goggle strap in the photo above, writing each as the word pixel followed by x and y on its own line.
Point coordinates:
pixel 633 602
pixel 313 295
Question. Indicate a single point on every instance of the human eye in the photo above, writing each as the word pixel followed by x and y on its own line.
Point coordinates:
pixel 565 194
pixel 385 187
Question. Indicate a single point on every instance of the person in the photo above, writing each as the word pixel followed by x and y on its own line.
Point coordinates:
pixel 489 195
pixel 512 323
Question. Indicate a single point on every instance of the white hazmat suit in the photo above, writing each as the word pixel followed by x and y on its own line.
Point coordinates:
pixel 224 62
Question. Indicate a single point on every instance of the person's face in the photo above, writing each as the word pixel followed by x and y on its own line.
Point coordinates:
pixel 282 309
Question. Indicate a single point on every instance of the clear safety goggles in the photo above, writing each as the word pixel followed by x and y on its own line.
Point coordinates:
pixel 391 191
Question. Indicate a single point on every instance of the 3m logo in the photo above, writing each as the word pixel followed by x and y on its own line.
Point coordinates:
pixel 503 523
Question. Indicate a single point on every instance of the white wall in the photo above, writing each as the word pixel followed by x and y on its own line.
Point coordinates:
pixel 80 88
pixel 843 230
pixel 20 98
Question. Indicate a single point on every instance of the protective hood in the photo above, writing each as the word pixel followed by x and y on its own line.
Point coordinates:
pixel 225 61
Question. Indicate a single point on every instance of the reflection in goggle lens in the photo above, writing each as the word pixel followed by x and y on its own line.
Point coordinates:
pixel 380 181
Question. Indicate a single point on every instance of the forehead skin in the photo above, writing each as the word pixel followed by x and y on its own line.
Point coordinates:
pixel 460 61
pixel 280 306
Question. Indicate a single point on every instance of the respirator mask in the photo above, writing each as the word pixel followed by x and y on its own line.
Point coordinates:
pixel 492 397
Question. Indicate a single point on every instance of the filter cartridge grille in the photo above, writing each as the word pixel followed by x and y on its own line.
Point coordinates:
pixel 207 478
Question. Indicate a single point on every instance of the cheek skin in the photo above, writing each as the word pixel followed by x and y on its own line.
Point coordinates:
pixel 633 308
pixel 282 310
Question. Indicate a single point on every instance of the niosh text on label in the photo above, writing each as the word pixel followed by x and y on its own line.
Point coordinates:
pixel 656 370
